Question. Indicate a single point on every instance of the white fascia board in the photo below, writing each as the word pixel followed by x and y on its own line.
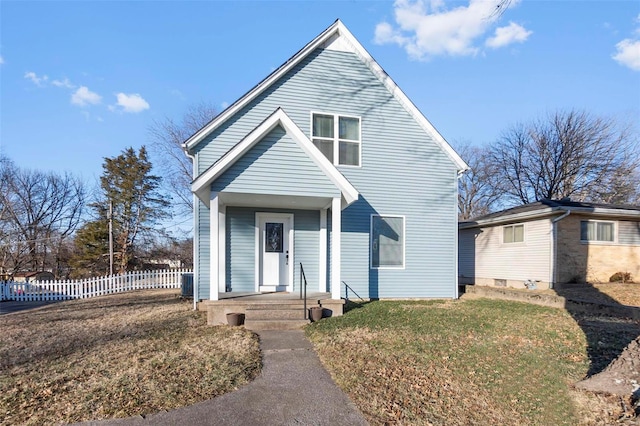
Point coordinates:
pixel 550 211
pixel 603 211
pixel 517 217
pixel 201 185
pixel 261 87
pixel 402 98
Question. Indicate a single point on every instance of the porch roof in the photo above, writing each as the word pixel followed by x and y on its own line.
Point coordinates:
pixel 201 186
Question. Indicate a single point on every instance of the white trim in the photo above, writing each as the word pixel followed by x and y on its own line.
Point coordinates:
pixel 336 136
pixel 322 265
pixel 404 241
pixel 456 243
pixel 550 211
pixel 222 248
pixel 201 186
pixel 289 217
pixel 213 246
pixel 336 241
pixel 328 37
pixel 196 251
pixel 600 242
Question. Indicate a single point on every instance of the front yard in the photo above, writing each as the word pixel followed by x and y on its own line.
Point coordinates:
pixel 482 362
pixel 116 356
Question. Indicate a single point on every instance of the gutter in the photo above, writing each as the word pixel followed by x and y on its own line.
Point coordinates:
pixel 554 249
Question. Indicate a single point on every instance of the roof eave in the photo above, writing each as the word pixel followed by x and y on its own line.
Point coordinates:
pixel 551 211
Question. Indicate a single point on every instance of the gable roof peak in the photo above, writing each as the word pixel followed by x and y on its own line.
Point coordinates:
pixel 335 37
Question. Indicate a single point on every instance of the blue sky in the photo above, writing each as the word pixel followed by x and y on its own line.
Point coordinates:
pixel 81 81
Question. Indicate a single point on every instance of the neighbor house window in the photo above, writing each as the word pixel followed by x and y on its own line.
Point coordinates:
pixel 337 137
pixel 387 242
pixel 513 234
pixel 591 230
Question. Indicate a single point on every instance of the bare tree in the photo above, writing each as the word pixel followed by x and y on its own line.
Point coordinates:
pixel 39 211
pixel 478 190
pixel 167 137
pixel 567 154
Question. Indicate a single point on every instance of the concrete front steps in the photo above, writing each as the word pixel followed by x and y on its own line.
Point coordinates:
pixel 274 311
pixel 288 315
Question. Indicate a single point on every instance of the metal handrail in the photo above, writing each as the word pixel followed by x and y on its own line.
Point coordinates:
pixel 346 292
pixel 303 277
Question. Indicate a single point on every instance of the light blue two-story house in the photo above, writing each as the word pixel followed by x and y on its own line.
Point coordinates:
pixel 327 164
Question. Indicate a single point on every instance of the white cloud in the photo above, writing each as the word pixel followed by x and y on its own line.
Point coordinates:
pixel 63 83
pixel 628 50
pixel 83 96
pixel 38 81
pixel 628 54
pixel 224 105
pixel 428 29
pixel 132 102
pixel 504 36
pixel 1 60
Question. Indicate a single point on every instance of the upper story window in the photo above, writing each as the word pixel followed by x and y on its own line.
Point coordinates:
pixel 513 234
pixel 591 230
pixel 337 137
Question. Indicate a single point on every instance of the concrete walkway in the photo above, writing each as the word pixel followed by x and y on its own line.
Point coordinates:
pixel 293 389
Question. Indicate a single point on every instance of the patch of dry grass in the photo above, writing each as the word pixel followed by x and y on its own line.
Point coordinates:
pixel 481 362
pixel 608 293
pixel 117 356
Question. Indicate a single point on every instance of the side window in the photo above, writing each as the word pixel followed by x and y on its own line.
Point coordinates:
pixel 513 234
pixel 387 241
pixel 591 230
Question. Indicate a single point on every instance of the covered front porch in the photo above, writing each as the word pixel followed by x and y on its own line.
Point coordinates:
pixel 269 208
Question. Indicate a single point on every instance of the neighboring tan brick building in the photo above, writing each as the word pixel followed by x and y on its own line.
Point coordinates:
pixel 551 242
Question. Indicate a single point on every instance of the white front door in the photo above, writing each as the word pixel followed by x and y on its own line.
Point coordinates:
pixel 275 252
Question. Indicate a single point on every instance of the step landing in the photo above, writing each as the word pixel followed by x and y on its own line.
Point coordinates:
pixel 269 314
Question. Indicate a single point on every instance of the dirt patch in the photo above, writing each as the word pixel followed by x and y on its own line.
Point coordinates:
pixel 621 377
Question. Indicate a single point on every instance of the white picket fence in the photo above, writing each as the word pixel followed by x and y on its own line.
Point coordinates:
pixel 99 286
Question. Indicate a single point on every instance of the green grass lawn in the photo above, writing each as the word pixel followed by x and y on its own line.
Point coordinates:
pixel 481 362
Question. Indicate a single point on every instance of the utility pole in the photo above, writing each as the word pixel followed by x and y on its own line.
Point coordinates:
pixel 110 237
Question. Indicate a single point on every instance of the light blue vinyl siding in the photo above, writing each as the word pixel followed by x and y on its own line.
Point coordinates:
pixel 403 172
pixel 276 165
pixel 629 232
pixel 241 249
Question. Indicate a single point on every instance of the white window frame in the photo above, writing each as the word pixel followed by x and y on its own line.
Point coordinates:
pixel 336 133
pixel 596 241
pixel 514 225
pixel 404 241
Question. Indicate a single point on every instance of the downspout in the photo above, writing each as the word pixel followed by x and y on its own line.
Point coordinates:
pixel 554 251
pixel 195 246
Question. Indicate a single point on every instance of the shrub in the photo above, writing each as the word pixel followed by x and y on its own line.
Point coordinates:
pixel 620 277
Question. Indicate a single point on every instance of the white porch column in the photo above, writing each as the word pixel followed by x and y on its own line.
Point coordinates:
pixel 336 231
pixel 214 247
pixel 222 252
pixel 322 266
